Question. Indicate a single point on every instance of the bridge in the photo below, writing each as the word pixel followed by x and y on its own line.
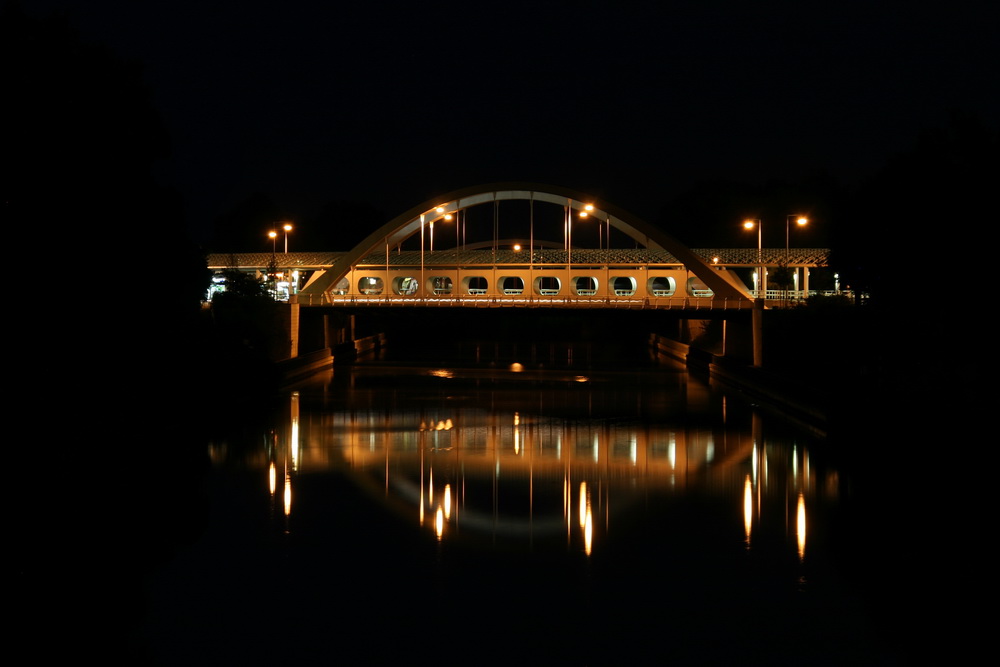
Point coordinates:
pixel 510 259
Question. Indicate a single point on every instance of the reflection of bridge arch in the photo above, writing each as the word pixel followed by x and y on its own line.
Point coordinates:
pixel 416 220
pixel 498 478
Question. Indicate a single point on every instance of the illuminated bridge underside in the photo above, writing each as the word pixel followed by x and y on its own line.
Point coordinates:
pixel 598 278
pixel 543 278
pixel 370 272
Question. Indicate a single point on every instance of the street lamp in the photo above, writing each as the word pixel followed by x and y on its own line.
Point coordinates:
pixel 287 227
pixel 587 208
pixel 750 224
pixel 443 214
pixel 801 221
pixel 272 268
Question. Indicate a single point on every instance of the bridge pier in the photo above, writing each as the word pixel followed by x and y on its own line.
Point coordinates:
pixel 293 326
pixel 758 332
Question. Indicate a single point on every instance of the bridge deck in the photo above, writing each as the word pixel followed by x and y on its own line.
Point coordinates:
pixel 620 278
pixel 730 257
pixel 508 301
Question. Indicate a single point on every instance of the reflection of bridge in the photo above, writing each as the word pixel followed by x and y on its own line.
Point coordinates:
pixel 517 268
pixel 463 468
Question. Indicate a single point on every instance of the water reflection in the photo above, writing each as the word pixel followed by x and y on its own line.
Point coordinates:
pixel 621 512
pixel 544 460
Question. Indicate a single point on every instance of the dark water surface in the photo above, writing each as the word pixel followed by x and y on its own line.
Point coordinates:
pixel 520 505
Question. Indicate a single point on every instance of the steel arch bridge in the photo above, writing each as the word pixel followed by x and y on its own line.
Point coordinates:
pixel 663 273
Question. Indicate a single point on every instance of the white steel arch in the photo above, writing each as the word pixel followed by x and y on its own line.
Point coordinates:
pixel 723 285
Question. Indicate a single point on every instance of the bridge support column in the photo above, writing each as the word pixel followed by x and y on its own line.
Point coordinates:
pixel 758 332
pixel 293 327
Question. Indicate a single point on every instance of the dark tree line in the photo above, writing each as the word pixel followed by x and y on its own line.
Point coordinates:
pixel 930 205
pixel 104 338
pixel 913 231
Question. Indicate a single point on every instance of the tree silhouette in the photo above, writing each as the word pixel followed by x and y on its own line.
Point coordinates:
pixel 110 332
pixel 929 206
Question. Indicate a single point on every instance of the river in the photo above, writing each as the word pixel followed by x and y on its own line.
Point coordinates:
pixel 527 504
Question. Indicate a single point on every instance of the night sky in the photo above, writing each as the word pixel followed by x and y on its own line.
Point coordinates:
pixel 392 103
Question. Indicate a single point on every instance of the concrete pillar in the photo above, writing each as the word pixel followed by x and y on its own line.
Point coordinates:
pixel 684 331
pixel 758 332
pixel 293 326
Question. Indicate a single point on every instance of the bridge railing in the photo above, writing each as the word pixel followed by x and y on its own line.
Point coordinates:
pixel 520 300
pixel 797 296
pixel 775 298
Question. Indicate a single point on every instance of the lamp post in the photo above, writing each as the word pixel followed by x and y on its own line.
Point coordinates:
pixel 757 322
pixel 287 227
pixel 272 268
pixel 801 221
pixel 422 221
pixel 587 208
pixel 750 224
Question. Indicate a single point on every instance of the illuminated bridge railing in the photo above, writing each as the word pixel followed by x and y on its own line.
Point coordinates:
pixel 522 301
pixel 798 296
pixel 775 297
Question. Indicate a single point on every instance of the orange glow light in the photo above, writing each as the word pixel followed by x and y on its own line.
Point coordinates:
pixel 800 524
pixel 747 506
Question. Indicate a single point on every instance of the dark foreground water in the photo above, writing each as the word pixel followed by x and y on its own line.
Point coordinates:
pixel 520 505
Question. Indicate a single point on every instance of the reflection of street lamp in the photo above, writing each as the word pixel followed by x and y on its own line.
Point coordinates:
pixel 750 224
pixel 287 227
